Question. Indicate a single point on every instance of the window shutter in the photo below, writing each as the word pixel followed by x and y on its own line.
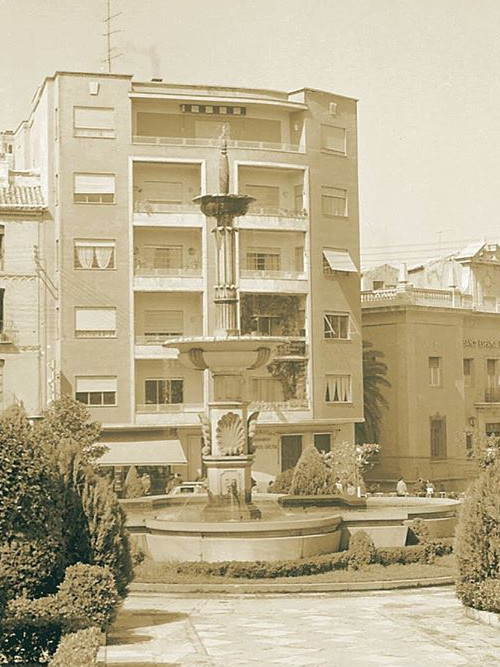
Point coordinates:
pixel 333 138
pixel 94 118
pixel 163 321
pixel 95 319
pixel 89 384
pixel 94 184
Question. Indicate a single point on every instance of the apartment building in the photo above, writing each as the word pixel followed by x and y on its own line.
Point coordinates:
pixel 438 326
pixel 133 259
pixel 24 378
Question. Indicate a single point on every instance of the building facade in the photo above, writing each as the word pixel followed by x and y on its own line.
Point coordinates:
pixel 132 259
pixel 439 330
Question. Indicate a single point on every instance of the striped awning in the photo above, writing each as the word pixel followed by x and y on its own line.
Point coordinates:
pixel 146 453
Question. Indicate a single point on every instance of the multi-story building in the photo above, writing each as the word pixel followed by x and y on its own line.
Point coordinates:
pixel 438 325
pixel 24 377
pixel 133 259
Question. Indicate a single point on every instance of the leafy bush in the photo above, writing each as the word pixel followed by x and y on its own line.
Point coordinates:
pixel 418 532
pixel 133 484
pixel 87 597
pixel 78 648
pixel 489 595
pixel 31 545
pixel 310 477
pixel 282 482
pixel 361 550
pixel 477 541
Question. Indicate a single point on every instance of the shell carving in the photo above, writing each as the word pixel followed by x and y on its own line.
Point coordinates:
pixel 230 435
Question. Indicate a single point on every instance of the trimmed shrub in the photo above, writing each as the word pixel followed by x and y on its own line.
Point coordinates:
pixel 282 482
pixel 133 484
pixel 489 595
pixel 361 550
pixel 477 542
pixel 418 532
pixel 87 597
pixel 310 477
pixel 78 648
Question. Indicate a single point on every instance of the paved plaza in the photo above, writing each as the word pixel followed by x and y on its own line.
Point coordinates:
pixel 412 628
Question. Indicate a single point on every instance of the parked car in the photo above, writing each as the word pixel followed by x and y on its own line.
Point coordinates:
pixel 188 489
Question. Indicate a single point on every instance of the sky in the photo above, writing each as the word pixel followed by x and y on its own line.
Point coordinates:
pixel 426 74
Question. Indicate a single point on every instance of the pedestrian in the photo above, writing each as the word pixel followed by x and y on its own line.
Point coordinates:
pixel 339 487
pixel 146 483
pixel 429 489
pixel 401 488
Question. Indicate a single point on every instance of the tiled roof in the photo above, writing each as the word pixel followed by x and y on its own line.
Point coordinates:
pixel 24 197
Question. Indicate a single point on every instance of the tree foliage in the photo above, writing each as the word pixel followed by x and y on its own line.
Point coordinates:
pixel 31 544
pixel 477 541
pixel 133 484
pixel 311 476
pixel 374 402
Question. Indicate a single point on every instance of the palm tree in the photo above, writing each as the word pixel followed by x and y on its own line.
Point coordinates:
pixel 374 377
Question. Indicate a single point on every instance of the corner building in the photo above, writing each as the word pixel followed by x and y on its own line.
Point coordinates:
pixel 133 260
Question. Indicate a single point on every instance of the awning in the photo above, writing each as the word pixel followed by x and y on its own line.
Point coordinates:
pixel 146 453
pixel 340 260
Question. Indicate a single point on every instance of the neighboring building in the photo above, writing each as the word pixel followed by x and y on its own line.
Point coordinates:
pixel 23 296
pixel 120 162
pixel 439 330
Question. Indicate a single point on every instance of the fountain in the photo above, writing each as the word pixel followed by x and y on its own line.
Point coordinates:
pixel 225 528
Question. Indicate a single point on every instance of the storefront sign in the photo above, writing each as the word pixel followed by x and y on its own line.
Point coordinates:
pixel 482 342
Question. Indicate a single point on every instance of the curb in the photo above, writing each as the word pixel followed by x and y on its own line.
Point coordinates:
pixel 275 588
pixel 486 617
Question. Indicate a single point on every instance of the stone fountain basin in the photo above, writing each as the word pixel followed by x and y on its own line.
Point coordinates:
pixel 241 541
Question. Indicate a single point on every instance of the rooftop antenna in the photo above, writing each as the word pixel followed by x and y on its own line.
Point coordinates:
pixel 111 51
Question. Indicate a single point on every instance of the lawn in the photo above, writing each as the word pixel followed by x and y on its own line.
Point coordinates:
pixel 165 573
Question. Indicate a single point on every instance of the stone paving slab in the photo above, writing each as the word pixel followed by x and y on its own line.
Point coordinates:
pixel 415 628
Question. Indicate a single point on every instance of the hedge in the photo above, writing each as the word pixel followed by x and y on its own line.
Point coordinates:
pixel 314 565
pixel 78 648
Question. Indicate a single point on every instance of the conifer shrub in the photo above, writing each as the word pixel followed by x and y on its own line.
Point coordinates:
pixel 282 482
pixel 477 541
pixel 310 476
pixel 133 484
pixel 362 550
pixel 418 532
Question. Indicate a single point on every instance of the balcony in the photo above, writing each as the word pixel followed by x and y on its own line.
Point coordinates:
pixel 407 294
pixel 151 278
pixel 214 142
pixel 175 414
pixel 8 334
pixel 492 395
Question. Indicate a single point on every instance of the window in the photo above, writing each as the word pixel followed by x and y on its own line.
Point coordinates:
pixel 267 196
pixel 161 391
pixel 299 259
pixel 298 195
pixel 158 192
pixel 322 442
pixel 262 259
pixel 337 260
pixel 469 445
pixel 94 189
pixel 2 245
pixel 96 390
pixel 333 139
pixel 338 389
pixel 162 257
pixel 336 326
pixel 435 371
pixel 266 325
pixel 266 389
pixel 291 449
pixel 334 201
pixel 159 324
pixel 468 372
pixel 94 254
pixel 377 284
pixel 94 122
pixel 492 380
pixel 492 428
pixel 438 437
pixel 95 322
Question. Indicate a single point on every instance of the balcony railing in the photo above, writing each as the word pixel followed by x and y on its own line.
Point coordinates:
pixel 215 142
pixel 277 212
pixel 163 408
pixel 150 207
pixel 492 395
pixel 273 274
pixel 8 335
pixel 409 295
pixel 151 271
pixel 155 339
pixel 292 404
pixel 292 349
